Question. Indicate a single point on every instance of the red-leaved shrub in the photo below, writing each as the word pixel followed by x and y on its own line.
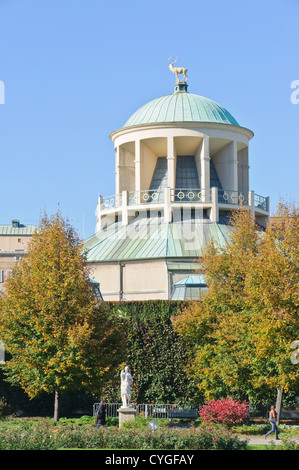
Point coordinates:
pixel 226 411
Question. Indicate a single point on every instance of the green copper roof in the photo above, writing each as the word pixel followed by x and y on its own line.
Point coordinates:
pixel 181 107
pixel 139 240
pixel 192 280
pixel 18 229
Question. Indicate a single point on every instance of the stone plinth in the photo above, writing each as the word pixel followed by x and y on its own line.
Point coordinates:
pixel 126 415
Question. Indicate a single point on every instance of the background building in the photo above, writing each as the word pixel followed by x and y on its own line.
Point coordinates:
pixel 181 166
pixel 14 240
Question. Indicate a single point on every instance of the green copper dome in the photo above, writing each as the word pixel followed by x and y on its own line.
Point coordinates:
pixel 181 106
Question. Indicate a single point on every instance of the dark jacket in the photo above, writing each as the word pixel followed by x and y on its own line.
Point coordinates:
pixel 101 411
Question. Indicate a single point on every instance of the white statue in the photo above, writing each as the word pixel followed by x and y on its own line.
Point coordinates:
pixel 126 380
pixel 177 70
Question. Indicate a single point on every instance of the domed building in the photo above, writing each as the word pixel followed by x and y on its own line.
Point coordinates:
pixel 181 167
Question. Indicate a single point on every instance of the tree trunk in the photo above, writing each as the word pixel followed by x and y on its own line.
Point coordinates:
pixel 56 407
pixel 279 403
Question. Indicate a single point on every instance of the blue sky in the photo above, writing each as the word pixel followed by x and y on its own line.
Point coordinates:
pixel 75 70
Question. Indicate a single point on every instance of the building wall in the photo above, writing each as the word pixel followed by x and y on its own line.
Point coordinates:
pixel 6 264
pixel 142 280
pixel 8 260
pixel 14 242
pixel 12 248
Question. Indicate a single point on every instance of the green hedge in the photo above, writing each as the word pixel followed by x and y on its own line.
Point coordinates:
pixel 154 352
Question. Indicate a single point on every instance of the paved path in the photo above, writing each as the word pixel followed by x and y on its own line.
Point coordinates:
pixel 261 440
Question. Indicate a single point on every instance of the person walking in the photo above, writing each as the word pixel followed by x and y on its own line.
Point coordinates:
pixel 272 421
pixel 101 414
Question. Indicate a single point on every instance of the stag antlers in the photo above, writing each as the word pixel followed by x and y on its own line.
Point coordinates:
pixel 172 62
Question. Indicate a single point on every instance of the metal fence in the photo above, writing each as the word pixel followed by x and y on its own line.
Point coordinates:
pixel 260 411
pixel 159 411
pixel 111 409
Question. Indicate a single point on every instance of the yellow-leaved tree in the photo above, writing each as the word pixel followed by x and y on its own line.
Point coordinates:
pixel 240 334
pixel 58 335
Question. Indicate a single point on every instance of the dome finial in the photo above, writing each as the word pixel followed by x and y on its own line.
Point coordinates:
pixel 177 71
pixel 180 86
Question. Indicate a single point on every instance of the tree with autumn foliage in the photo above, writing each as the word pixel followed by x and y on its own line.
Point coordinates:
pixel 273 298
pixel 58 335
pixel 240 334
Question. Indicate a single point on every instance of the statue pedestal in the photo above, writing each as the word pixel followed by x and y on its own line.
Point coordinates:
pixel 126 415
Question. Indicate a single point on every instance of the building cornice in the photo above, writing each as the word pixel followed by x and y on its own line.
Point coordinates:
pixel 198 126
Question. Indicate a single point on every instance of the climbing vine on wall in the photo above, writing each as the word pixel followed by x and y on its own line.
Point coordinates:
pixel 154 352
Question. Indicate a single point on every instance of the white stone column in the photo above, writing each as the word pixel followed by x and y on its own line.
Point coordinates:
pixel 251 202
pixel 197 161
pixel 167 205
pixel 99 216
pixel 171 158
pixel 138 165
pixel 117 183
pixel 205 167
pixel 124 210
pixel 233 170
pixel 243 172
pixel 214 210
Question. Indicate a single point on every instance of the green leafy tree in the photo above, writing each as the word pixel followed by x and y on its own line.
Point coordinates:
pixel 241 333
pixel 59 337
pixel 216 328
pixel 273 299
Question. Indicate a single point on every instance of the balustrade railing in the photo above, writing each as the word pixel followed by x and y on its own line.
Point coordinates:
pixel 261 202
pixel 191 195
pixel 231 197
pixel 150 196
pixel 111 202
pixel 183 195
